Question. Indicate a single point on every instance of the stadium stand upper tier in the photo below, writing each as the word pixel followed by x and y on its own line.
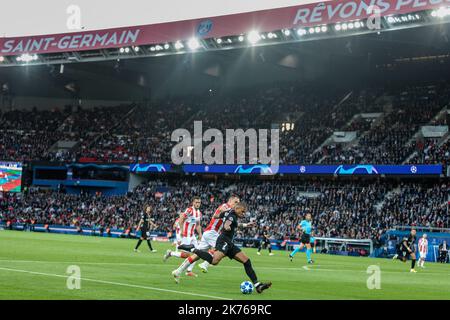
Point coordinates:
pixel 370 125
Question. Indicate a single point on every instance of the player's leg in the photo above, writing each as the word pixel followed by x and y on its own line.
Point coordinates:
pixel 269 247
pixel 292 254
pixel 191 259
pixel 259 247
pixel 189 269
pixel 150 245
pixel 138 244
pixel 213 259
pixel 413 261
pixel 179 253
pixel 424 258
pixel 186 263
pixel 308 253
pixel 208 241
pixel 242 258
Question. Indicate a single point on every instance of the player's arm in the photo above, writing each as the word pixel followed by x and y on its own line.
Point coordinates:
pixel 181 221
pixel 247 225
pixel 139 224
pixel 152 224
pixel 199 230
pixel 405 243
pixel 219 213
pixel 227 225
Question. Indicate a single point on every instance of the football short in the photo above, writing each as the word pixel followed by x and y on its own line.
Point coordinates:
pixel 178 238
pixel 189 241
pixel 306 238
pixel 423 255
pixel 227 247
pixel 208 241
pixel 144 234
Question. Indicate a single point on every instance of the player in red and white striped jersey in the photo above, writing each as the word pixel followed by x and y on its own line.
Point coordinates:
pixel 210 235
pixel 188 222
pixel 423 250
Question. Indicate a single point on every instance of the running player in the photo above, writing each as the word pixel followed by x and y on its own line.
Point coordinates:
pixel 423 250
pixel 305 226
pixel 188 222
pixel 215 226
pixel 226 248
pixel 144 226
pixel 210 235
pixel 264 241
pixel 408 249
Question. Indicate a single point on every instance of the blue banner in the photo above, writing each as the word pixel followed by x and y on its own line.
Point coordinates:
pixel 341 170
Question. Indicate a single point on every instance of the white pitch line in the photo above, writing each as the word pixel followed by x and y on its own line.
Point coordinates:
pixel 116 283
pixel 312 268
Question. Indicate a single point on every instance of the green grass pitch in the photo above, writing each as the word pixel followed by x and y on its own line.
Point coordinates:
pixel 34 266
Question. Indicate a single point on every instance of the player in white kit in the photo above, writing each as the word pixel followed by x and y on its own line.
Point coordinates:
pixel 423 250
pixel 188 222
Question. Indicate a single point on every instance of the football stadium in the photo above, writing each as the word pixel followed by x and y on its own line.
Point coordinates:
pixel 297 152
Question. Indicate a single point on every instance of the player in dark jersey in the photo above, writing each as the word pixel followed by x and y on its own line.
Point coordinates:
pixel 407 249
pixel 264 241
pixel 144 226
pixel 226 248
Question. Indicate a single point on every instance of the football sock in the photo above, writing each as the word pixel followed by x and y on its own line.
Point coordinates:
pixel 250 272
pixel 308 254
pixel 186 263
pixel 179 254
pixel 204 255
pixel 270 249
pixel 191 266
pixel 294 252
pixel 413 263
pixel 149 245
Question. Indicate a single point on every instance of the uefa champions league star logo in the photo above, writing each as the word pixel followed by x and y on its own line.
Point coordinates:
pixel 204 27
pixel 413 169
pixel 302 169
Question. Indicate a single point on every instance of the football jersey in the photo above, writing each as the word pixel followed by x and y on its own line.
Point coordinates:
pixel 216 224
pixel 306 226
pixel 192 217
pixel 423 245
pixel 233 218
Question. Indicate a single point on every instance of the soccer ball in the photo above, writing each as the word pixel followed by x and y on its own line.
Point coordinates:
pixel 247 287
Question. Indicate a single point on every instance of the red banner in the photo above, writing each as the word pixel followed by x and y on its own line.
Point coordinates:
pixel 235 24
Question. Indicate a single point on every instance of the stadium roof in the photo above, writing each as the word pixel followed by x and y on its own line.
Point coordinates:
pixel 331 19
pixel 332 61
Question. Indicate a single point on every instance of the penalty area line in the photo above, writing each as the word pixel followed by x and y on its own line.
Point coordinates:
pixel 116 283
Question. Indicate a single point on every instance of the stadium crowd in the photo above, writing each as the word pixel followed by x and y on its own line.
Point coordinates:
pixel 137 133
pixel 340 209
